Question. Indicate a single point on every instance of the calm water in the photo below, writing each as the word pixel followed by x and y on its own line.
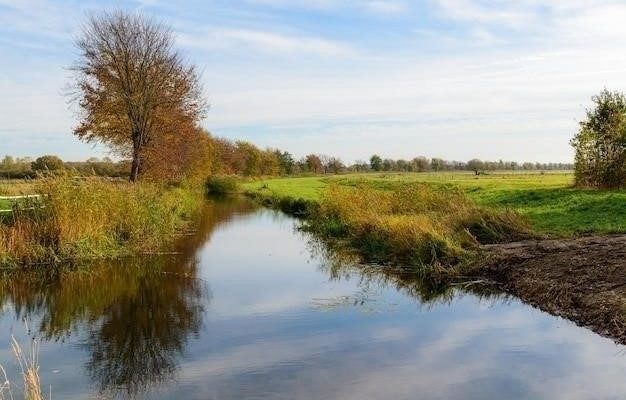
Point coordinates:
pixel 253 309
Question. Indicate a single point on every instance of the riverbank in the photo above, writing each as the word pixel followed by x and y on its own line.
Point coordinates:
pixel 94 218
pixel 548 201
pixel 581 278
pixel 431 228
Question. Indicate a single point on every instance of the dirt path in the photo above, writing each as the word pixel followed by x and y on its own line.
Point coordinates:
pixel 582 279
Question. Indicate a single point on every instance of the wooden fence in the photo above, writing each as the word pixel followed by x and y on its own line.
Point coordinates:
pixel 17 198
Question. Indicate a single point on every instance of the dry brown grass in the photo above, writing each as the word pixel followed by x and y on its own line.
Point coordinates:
pixel 29 366
pixel 16 187
pixel 415 223
pixel 94 218
pixel 29 370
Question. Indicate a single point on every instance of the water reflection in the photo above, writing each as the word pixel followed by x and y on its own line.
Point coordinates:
pixel 136 315
pixel 406 280
pixel 252 308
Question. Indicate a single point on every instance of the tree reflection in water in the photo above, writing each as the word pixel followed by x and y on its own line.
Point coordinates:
pixel 136 315
pixel 342 265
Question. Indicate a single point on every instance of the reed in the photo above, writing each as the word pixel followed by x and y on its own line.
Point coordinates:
pixel 94 218
pixel 29 370
pixel 414 224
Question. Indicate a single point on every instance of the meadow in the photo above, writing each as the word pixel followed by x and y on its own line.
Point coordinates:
pixel 548 201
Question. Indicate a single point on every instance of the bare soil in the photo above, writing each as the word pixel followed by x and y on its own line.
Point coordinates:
pixel 582 279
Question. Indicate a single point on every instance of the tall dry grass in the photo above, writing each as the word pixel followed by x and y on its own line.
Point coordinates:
pixel 94 218
pixel 415 224
pixel 29 369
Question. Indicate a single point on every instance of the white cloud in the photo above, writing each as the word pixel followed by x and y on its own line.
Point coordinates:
pixel 247 39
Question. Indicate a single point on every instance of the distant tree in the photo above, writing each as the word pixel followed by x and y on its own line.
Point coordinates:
pixel 476 165
pixel 389 165
pixel 334 165
pixel 270 164
pixel 360 166
pixel 16 168
pixel 249 160
pixel 286 162
pixel 600 143
pixel 402 165
pixel 48 163
pixel 325 160
pixel 7 162
pixel 420 164
pixel 437 164
pixel 131 85
pixel 314 164
pixel 376 163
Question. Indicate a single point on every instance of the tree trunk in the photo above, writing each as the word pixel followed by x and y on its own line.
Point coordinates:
pixel 136 164
pixel 134 169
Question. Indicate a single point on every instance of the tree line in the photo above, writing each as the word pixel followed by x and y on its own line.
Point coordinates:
pixel 28 168
pixel 423 164
pixel 245 159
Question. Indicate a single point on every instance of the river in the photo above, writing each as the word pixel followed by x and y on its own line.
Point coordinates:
pixel 252 308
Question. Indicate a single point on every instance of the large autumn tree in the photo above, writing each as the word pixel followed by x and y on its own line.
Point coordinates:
pixel 132 87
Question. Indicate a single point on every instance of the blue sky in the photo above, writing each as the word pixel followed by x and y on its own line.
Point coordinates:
pixel 441 78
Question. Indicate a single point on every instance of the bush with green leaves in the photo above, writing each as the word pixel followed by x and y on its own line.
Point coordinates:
pixel 601 143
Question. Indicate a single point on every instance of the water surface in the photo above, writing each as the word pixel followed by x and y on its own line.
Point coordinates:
pixel 254 309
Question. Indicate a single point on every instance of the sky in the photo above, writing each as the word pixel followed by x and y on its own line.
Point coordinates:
pixel 455 79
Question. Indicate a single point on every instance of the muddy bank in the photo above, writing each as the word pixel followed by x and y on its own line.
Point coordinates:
pixel 582 279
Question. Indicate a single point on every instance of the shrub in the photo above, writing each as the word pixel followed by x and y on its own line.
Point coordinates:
pixel 222 184
pixel 601 143
pixel 47 164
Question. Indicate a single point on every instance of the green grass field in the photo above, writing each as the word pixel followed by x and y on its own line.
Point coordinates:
pixel 548 201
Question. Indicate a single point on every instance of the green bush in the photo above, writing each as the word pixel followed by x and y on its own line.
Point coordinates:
pixel 222 185
pixel 601 143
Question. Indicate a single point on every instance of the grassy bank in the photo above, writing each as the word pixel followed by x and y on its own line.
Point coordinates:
pixel 77 220
pixel 410 223
pixel 547 201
